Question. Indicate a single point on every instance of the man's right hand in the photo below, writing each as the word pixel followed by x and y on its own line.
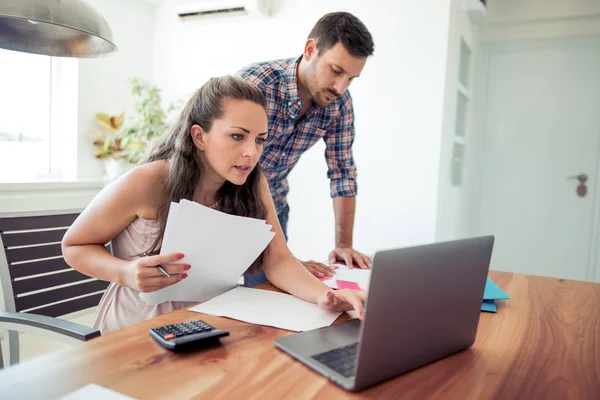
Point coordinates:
pixel 318 269
pixel 142 275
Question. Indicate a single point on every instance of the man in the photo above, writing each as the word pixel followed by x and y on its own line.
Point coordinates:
pixel 308 100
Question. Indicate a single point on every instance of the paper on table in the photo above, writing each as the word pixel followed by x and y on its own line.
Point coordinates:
pixel 219 247
pixel 265 307
pixel 95 392
pixel 348 278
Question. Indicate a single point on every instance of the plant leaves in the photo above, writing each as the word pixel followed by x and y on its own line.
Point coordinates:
pixel 132 137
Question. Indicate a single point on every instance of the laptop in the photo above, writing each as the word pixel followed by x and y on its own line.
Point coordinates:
pixel 424 304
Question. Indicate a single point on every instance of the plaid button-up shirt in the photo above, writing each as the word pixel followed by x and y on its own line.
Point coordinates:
pixel 289 138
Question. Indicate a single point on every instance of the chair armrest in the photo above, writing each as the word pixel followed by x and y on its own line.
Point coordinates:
pixel 18 321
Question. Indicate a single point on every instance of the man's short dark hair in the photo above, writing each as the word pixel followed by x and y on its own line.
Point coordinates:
pixel 345 28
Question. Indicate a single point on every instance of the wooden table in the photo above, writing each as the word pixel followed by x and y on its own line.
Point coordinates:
pixel 543 343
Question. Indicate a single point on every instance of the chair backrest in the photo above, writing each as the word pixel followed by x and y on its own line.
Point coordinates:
pixel 35 278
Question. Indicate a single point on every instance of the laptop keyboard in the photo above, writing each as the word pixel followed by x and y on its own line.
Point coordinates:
pixel 342 360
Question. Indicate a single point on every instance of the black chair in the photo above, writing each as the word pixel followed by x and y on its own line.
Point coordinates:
pixel 37 283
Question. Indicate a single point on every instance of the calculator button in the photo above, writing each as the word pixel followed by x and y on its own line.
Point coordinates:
pixel 169 336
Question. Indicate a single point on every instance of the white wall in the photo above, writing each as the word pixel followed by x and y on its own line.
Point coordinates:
pixel 398 104
pixel 104 82
pixel 540 19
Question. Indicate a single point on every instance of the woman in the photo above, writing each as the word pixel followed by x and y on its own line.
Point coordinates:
pixel 209 156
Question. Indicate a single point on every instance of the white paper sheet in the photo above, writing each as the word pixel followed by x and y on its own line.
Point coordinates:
pixel 260 223
pixel 265 307
pixel 219 247
pixel 95 392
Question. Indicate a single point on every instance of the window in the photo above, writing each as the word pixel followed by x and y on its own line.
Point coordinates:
pixel 25 80
pixel 35 93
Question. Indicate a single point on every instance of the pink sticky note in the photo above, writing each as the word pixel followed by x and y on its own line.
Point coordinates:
pixel 347 285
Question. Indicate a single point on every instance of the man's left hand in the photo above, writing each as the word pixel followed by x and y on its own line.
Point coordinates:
pixel 349 256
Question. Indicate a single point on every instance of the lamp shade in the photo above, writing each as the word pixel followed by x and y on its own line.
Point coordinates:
pixel 60 28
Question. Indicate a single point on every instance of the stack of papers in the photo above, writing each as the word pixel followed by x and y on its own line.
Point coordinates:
pixel 219 247
pixel 265 307
pixel 358 279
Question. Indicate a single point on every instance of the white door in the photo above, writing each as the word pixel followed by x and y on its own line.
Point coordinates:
pixel 542 126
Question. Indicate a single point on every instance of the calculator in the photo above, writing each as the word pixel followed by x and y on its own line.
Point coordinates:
pixel 186 334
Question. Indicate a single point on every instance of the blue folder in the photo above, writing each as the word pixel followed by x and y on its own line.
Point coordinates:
pixel 489 306
pixel 491 293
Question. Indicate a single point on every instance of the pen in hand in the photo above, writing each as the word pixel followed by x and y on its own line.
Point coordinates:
pixel 160 268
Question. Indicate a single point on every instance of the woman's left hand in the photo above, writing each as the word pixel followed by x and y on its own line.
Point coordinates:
pixel 343 300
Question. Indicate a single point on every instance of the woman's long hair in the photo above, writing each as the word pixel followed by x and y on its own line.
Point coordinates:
pixel 184 172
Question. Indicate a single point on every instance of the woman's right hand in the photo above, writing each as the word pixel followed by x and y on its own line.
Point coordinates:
pixel 142 274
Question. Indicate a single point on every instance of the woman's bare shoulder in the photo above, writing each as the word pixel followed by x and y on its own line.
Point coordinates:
pixel 145 185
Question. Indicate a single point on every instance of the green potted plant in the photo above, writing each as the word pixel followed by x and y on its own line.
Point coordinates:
pixel 125 140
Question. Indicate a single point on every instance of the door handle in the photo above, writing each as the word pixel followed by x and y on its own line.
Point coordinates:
pixel 581 188
pixel 581 177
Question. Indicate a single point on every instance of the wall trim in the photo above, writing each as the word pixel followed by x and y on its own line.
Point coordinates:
pixel 43 196
pixel 22 187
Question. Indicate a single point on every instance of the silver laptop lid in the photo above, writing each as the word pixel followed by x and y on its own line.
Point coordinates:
pixel 424 304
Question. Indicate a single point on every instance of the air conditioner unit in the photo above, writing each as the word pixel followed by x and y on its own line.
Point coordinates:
pixel 210 9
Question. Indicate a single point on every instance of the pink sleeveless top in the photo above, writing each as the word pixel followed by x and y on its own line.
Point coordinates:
pixel 121 306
